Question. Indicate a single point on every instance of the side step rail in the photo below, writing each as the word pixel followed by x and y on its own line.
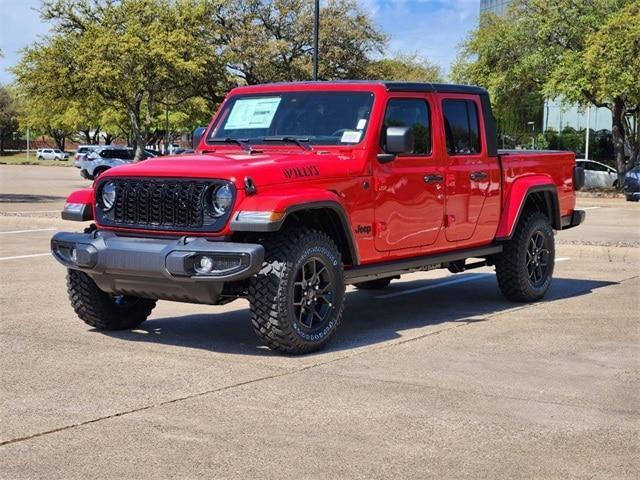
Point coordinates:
pixel 364 273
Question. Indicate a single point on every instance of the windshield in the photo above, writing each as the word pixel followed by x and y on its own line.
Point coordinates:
pixel 319 118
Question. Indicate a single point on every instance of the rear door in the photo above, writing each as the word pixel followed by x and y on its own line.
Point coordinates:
pixel 470 171
pixel 409 202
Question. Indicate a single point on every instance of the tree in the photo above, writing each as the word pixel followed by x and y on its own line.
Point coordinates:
pixel 408 68
pixel 580 50
pixel 270 41
pixel 8 115
pixel 612 74
pixel 136 55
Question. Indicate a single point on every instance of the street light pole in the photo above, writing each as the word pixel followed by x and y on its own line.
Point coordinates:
pixel 586 148
pixel 27 144
pixel 316 33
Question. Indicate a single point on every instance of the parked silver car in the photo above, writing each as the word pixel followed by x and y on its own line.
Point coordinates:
pixel 51 154
pixel 598 175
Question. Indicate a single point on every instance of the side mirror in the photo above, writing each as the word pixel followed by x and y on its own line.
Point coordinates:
pixel 399 140
pixel 197 135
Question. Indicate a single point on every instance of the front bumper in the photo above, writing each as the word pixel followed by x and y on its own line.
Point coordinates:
pixel 157 268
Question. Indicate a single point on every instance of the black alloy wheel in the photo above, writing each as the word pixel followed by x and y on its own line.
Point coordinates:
pixel 314 290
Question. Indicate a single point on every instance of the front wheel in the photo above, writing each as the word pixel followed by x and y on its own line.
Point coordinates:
pixel 525 266
pixel 297 298
pixel 102 310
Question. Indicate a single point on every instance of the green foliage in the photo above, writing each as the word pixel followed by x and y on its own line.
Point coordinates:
pixel 120 66
pixel 8 115
pixel 582 50
pixel 268 41
pixel 411 68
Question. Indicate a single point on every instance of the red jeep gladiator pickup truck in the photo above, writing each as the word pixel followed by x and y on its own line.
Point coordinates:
pixel 298 189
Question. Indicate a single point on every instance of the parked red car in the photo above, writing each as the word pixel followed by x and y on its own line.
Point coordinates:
pixel 297 189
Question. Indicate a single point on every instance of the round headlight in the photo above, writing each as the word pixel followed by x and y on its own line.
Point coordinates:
pixel 221 200
pixel 109 195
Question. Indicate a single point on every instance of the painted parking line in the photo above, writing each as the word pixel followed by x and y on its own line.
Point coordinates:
pixel 31 211
pixel 452 281
pixel 589 208
pixel 18 257
pixel 29 231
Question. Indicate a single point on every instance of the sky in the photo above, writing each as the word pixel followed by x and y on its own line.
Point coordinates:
pixel 430 28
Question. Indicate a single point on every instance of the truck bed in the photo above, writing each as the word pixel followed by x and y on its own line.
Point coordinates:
pixel 556 166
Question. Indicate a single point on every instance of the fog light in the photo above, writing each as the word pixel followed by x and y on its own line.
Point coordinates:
pixel 203 264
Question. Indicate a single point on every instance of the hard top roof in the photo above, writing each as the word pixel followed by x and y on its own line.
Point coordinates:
pixel 391 86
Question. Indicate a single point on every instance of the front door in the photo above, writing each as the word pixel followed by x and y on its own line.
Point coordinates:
pixel 409 203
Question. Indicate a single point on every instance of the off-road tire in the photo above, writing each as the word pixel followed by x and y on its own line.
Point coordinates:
pixel 377 284
pixel 511 265
pixel 101 310
pixel 272 291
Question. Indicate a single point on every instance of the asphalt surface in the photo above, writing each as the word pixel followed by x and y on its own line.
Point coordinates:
pixel 435 377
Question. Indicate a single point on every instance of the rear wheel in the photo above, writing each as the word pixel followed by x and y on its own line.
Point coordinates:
pixel 377 284
pixel 525 267
pixel 297 299
pixel 102 310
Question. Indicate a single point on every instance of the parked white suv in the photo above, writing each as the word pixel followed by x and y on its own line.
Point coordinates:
pixel 96 162
pixel 51 154
pixel 82 152
pixel 104 158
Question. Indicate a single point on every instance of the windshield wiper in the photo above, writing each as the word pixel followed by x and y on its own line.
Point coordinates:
pixel 243 143
pixel 296 140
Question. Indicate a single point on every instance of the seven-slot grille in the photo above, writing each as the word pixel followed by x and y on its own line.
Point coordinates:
pixel 149 203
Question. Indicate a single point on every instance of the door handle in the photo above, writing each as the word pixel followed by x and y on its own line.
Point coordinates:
pixel 433 178
pixel 478 175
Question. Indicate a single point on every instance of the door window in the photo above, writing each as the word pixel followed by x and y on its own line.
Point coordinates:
pixel 461 127
pixel 414 113
pixel 596 167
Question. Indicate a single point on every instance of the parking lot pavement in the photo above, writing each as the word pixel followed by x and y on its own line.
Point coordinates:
pixel 437 376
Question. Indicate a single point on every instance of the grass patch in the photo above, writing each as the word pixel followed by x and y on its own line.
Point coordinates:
pixel 20 158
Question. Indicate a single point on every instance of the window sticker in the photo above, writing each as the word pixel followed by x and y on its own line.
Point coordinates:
pixel 361 124
pixel 252 113
pixel 351 136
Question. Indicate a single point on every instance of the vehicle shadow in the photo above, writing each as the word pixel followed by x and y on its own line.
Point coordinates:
pixel 370 317
pixel 27 198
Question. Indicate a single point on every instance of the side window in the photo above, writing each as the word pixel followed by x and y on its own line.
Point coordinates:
pixel 461 127
pixel 408 112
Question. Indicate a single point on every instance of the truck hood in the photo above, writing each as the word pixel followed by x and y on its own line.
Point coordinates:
pixel 267 168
